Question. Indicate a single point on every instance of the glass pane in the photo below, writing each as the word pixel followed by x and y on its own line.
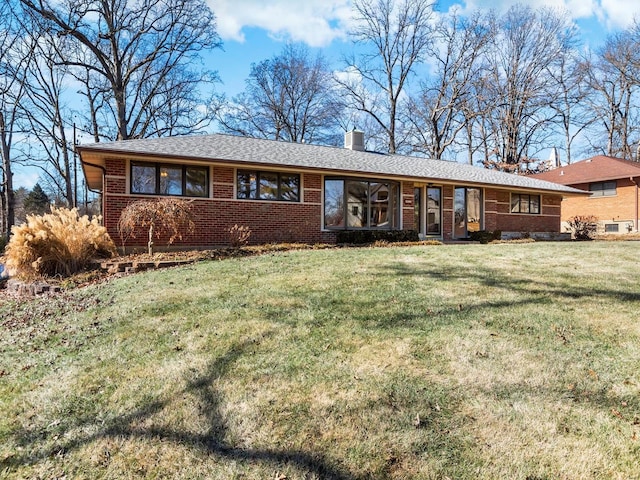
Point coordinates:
pixel 459 206
pixel 379 200
pixel 534 204
pixel 417 209
pixel 143 178
pixel 474 209
pixel 197 182
pixel 290 187
pixel 515 203
pixel 334 203
pixel 170 180
pixel 609 188
pixel 247 184
pixel 357 203
pixel 433 211
pixel 268 186
pixel 524 203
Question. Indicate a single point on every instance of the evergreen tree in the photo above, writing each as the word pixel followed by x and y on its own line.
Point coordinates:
pixel 36 201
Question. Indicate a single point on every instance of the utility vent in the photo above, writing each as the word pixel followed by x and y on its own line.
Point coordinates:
pixel 354 140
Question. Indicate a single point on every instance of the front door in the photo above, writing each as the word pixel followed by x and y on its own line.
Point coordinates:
pixel 428 211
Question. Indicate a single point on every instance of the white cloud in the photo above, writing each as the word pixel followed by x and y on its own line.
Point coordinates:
pixel 612 14
pixel 314 22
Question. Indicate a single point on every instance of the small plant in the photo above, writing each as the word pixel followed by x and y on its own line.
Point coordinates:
pixel 56 243
pixel 583 227
pixel 170 216
pixel 239 235
pixel 485 236
pixel 359 237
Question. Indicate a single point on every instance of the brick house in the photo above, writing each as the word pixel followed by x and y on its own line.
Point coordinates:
pixel 307 193
pixel 613 186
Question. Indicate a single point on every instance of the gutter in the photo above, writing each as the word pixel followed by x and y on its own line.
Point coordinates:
pixel 104 173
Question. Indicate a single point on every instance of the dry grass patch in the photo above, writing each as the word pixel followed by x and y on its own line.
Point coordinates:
pixel 494 361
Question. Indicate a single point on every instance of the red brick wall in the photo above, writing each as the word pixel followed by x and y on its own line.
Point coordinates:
pixel 447 212
pixel 547 221
pixel 268 221
pixel 302 222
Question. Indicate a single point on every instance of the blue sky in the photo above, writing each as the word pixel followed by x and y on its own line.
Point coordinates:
pixel 254 30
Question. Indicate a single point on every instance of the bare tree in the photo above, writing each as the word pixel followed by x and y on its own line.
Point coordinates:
pixel 573 114
pixel 48 118
pixel 613 77
pixel 528 46
pixel 395 37
pixel 437 116
pixel 288 97
pixel 16 53
pixel 135 48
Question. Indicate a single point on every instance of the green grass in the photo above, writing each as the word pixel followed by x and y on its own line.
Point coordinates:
pixel 433 362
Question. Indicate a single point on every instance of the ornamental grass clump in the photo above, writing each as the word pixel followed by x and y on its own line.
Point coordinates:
pixel 58 243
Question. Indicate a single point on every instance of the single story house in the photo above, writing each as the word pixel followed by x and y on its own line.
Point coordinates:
pixel 613 187
pixel 287 192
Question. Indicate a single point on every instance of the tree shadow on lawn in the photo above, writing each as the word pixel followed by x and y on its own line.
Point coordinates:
pixel 531 288
pixel 213 441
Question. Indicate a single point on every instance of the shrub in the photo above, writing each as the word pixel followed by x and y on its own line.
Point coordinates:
pixel 170 216
pixel 485 236
pixel 358 237
pixel 583 227
pixel 56 243
pixel 239 236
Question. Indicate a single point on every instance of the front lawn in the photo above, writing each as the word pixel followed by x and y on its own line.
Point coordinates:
pixel 517 361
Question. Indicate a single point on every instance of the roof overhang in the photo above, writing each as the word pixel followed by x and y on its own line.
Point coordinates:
pixel 94 157
pixel 93 165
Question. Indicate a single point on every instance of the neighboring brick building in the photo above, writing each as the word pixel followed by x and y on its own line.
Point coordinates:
pixel 306 193
pixel 613 185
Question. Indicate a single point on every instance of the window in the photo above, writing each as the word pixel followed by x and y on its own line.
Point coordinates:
pixel 467 204
pixel 611 228
pixel 360 204
pixel 523 203
pixel 255 185
pixel 602 189
pixel 433 210
pixel 165 179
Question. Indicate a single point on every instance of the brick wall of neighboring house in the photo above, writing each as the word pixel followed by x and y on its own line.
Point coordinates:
pixel 620 207
pixel 272 221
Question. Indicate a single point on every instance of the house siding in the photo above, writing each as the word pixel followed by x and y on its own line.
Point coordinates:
pixel 620 207
pixel 273 221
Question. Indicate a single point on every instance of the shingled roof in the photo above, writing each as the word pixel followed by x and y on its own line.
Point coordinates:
pixel 595 169
pixel 251 151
